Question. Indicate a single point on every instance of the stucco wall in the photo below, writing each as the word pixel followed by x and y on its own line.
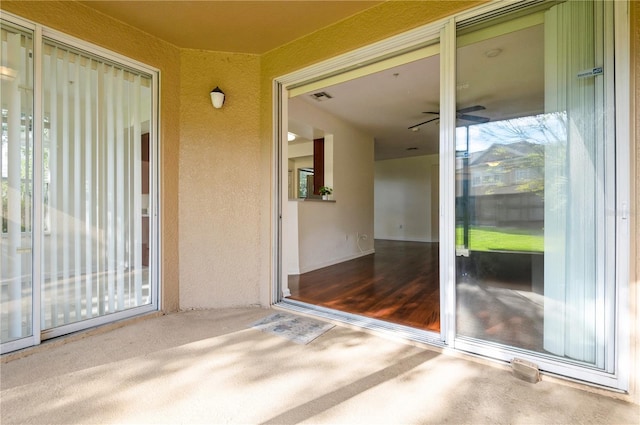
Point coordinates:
pixel 76 20
pixel 219 180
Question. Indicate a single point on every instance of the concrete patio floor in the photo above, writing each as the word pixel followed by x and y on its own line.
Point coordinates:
pixel 211 367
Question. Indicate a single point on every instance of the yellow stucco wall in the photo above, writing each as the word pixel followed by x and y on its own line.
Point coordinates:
pixel 76 20
pixel 219 181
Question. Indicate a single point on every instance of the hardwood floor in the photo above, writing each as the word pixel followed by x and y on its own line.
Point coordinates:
pixel 399 284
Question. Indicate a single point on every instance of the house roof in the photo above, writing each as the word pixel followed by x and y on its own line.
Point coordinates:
pixel 502 151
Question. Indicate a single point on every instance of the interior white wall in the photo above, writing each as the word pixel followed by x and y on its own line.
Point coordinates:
pixel 290 248
pixel 299 149
pixel 327 231
pixel 328 163
pixel 406 199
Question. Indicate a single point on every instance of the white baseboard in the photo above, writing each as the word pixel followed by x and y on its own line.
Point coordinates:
pixel 293 271
pixel 335 261
pixel 405 239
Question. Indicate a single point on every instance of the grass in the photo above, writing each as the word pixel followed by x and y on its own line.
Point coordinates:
pixel 495 239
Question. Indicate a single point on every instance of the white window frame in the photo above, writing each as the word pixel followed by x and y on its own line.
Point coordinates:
pixel 445 29
pixel 617 375
pixel 40 32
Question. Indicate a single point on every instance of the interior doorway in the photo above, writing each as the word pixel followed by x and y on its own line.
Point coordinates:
pixel 372 248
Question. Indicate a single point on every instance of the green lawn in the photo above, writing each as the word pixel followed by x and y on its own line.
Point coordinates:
pixel 492 239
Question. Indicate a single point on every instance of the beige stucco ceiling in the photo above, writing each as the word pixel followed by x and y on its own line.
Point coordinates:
pixel 230 26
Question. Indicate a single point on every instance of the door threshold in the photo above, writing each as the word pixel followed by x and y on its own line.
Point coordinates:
pixel 387 329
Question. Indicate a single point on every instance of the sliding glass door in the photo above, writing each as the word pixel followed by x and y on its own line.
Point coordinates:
pixel 93 216
pixel 16 166
pixel 95 114
pixel 527 168
pixel 534 182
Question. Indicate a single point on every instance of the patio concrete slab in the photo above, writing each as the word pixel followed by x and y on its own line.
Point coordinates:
pixel 211 367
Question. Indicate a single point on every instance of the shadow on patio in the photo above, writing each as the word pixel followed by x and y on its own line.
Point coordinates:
pixel 212 367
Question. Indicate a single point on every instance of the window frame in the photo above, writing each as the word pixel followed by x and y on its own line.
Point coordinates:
pixel 618 345
pixel 40 33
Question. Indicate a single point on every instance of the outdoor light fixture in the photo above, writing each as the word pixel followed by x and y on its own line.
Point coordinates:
pixel 291 136
pixel 217 97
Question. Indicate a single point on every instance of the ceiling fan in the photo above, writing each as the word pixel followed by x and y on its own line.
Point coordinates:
pixel 461 114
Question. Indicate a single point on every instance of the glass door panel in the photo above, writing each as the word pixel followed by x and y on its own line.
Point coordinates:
pixel 16 165
pixel 531 179
pixel 376 254
pixel 94 227
pixel 96 187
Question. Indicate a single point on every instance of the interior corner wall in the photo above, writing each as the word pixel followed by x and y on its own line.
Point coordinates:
pixel 219 182
pixel 406 199
pixel 77 20
pixel 327 231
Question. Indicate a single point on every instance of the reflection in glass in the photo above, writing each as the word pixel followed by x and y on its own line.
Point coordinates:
pixel 530 210
pixel 16 165
pixel 305 182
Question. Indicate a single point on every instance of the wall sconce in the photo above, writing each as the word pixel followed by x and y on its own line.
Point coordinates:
pixel 217 97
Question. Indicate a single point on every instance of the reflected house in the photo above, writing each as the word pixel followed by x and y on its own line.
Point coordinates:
pixel 506 185
pixel 502 188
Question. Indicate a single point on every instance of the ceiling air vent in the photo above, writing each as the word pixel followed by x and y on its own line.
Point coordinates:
pixel 321 96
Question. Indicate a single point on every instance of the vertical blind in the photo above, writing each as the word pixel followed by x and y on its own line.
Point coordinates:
pixel 574 195
pixel 95 114
pixel 16 168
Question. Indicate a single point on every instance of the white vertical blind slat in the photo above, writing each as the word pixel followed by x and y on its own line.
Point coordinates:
pixel 137 191
pixel 120 194
pixel 13 186
pixel 26 97
pixel 77 188
pixel 86 188
pixel 101 192
pixel 53 188
pixel 65 209
pixel 110 206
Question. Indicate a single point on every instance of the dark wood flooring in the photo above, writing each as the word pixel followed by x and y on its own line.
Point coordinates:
pixel 399 284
